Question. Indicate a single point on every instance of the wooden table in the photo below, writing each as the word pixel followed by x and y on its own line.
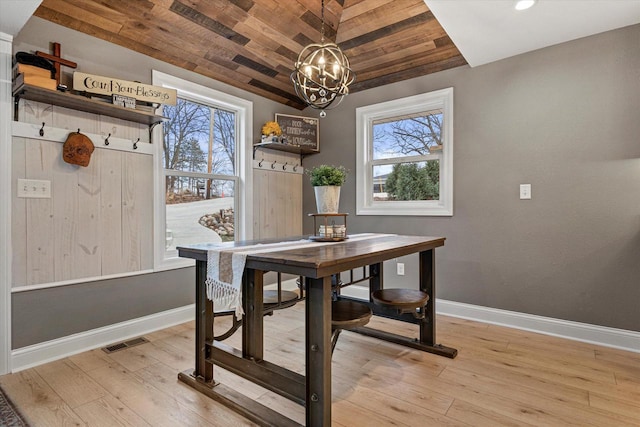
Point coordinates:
pixel 317 263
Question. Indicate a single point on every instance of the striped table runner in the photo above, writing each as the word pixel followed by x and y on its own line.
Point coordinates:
pixel 225 268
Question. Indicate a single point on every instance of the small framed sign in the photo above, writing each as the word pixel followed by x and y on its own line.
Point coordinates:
pixel 123 101
pixel 300 131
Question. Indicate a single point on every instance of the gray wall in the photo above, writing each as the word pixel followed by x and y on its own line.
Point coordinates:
pixel 565 119
pixel 47 314
pixel 43 315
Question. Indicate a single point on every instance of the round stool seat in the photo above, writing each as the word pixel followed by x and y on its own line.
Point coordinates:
pixel 271 296
pixel 349 314
pixel 402 299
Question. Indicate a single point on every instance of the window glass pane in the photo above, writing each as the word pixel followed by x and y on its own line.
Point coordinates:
pixel 412 135
pixel 224 142
pixel 198 210
pixel 186 136
pixel 407 181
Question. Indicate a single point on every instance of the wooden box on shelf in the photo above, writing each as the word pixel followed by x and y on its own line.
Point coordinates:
pixel 325 228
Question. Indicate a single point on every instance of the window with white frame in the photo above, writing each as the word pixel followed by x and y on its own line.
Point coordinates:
pixel 404 163
pixel 201 169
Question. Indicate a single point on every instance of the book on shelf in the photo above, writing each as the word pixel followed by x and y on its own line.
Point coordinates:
pixel 31 70
pixel 39 81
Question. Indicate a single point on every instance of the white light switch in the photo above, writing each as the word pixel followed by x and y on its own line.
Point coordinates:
pixel 400 268
pixel 525 191
pixel 34 188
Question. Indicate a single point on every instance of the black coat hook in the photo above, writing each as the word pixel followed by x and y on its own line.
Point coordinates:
pixel 273 165
pixel 135 144
pixel 42 130
pixel 106 140
pixel 284 167
pixel 260 162
pixel 78 130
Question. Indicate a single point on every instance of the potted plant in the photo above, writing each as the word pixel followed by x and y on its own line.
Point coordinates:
pixel 326 181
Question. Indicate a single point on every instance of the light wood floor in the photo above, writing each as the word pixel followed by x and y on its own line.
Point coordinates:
pixel 501 377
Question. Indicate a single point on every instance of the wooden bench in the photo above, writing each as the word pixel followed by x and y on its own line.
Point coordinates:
pixel 347 314
pixel 404 300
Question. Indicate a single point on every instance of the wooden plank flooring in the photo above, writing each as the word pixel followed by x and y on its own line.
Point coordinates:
pixel 501 377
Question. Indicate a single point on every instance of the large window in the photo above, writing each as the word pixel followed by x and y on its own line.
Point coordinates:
pixel 405 156
pixel 201 172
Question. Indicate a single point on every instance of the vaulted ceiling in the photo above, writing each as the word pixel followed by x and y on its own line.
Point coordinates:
pixel 252 44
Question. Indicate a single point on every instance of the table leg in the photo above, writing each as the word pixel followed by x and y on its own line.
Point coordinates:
pixel 253 323
pixel 427 279
pixel 318 351
pixel 204 326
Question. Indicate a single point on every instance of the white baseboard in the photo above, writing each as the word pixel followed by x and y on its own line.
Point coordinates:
pixel 37 354
pixel 600 335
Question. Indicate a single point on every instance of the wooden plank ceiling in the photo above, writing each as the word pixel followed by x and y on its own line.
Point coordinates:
pixel 252 44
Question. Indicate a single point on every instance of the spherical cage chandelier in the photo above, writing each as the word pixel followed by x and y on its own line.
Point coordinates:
pixel 322 75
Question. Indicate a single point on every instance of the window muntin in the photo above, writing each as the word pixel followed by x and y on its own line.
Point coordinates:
pixel 407 143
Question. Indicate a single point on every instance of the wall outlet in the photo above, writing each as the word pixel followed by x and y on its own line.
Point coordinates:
pixel 34 188
pixel 525 191
pixel 400 268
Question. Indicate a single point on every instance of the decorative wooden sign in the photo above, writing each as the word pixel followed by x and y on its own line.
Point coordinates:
pixel 300 131
pixel 110 86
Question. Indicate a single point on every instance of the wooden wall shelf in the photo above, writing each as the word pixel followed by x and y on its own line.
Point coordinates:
pixel 82 103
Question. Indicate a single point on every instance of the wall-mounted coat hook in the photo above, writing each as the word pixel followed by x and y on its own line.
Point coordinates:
pixel 260 162
pixel 78 130
pixel 135 144
pixel 295 168
pixel 273 165
pixel 106 140
pixel 42 130
pixel 284 167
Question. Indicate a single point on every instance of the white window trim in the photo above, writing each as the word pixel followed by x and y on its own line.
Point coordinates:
pixel 244 111
pixel 6 117
pixel 365 116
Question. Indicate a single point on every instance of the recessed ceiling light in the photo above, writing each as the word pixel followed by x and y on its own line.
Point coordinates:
pixel 524 4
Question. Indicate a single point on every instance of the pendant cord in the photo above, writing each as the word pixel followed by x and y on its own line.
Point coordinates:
pixel 322 27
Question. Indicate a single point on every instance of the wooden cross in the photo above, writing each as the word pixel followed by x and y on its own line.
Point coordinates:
pixel 57 60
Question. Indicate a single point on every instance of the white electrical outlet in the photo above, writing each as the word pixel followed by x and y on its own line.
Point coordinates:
pixel 525 191
pixel 400 268
pixel 34 188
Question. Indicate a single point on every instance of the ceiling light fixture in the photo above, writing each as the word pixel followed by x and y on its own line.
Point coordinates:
pixel 524 4
pixel 322 74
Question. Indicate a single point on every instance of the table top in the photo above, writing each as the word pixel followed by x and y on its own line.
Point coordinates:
pixel 320 260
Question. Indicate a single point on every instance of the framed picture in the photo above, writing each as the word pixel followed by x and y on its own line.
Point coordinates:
pixel 300 131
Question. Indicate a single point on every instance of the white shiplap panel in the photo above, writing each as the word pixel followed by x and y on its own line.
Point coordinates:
pixel 277 195
pixel 35 112
pixel 18 215
pixel 124 129
pixel 144 208
pixel 130 227
pixel 40 237
pixel 87 246
pixel 72 120
pixel 64 199
pixel 111 212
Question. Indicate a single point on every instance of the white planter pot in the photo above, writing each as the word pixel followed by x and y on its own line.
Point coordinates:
pixel 327 198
